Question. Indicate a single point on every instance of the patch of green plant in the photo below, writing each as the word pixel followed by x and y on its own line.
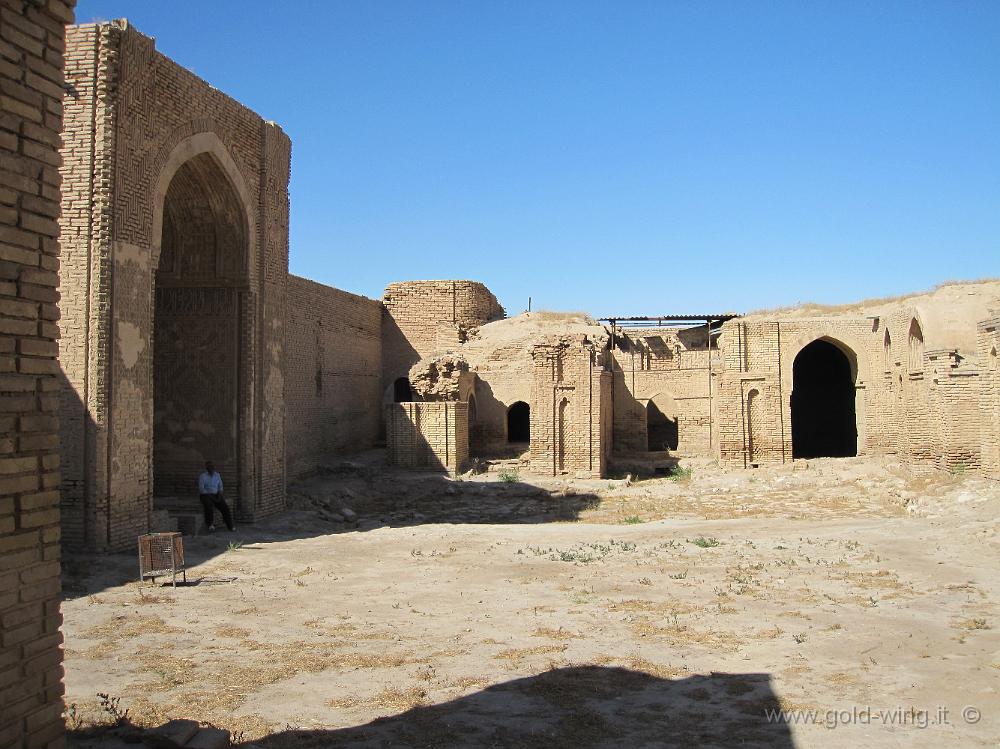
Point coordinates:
pixel 680 473
pixel 508 475
pixel 583 553
pixel 633 520
pixel 234 545
pixel 678 575
pixel 706 543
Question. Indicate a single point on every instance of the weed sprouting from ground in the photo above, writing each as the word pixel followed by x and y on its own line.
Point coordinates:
pixel 234 545
pixel 508 475
pixel 74 721
pixel 706 543
pixel 633 520
pixel 582 553
pixel 680 473
pixel 112 707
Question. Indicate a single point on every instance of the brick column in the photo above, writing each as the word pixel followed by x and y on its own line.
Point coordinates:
pixel 32 38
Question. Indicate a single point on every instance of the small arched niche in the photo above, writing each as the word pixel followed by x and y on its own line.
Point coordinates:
pixel 915 359
pixel 402 391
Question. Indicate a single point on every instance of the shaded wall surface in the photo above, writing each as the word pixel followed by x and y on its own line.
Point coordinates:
pixel 333 362
pixel 172 187
pixel 31 78
pixel 429 436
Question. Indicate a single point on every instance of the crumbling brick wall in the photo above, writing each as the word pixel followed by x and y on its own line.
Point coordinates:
pixel 31 79
pixel 670 366
pixel 134 120
pixel 332 374
pixel 569 415
pixel 425 317
pixel 428 435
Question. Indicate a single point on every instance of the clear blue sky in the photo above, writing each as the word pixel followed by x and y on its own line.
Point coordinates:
pixel 620 157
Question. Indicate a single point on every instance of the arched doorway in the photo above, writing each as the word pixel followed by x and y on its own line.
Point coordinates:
pixel 661 430
pixel 401 390
pixel 519 422
pixel 199 329
pixel 824 423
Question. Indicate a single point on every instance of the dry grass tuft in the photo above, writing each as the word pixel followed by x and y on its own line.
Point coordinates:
pixel 555 634
pixel 237 633
pixel 127 626
pixel 519 654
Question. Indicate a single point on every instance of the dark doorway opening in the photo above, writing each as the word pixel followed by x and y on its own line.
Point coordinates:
pixel 824 423
pixel 401 391
pixel 519 422
pixel 661 430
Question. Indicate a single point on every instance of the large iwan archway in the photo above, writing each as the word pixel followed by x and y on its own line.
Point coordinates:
pixel 199 330
pixel 824 422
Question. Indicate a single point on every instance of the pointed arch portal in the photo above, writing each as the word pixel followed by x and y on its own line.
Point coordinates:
pixel 824 422
pixel 199 328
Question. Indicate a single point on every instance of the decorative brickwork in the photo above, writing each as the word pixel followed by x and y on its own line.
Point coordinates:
pixel 332 374
pixel 989 403
pixel 31 79
pixel 570 407
pixel 429 436
pixel 170 185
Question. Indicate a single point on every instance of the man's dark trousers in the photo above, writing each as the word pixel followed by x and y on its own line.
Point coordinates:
pixel 214 500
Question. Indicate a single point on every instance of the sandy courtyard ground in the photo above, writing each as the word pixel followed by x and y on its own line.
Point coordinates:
pixel 859 595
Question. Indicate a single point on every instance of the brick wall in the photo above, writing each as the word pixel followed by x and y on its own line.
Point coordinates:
pixel 135 122
pixel 989 403
pixel 333 352
pixel 424 317
pixel 431 436
pixel 504 379
pixel 570 388
pixel 920 405
pixel 671 367
pixel 31 56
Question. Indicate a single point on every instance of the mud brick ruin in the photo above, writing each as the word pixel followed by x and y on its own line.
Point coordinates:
pixel 177 335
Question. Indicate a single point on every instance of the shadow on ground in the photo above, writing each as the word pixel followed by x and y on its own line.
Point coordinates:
pixel 580 706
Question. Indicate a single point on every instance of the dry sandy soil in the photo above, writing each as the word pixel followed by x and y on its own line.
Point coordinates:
pixel 662 612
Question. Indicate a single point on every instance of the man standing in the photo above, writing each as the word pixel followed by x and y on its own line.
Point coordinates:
pixel 210 489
